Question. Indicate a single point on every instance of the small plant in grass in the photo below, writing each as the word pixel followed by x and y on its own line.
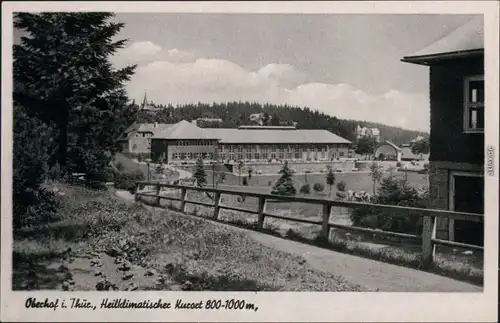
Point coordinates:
pixel 330 180
pixel 284 185
pixel 305 189
pixel 341 187
pixel 318 187
pixel 376 172
pixel 199 173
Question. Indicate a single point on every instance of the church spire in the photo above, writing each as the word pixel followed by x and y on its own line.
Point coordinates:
pixel 144 102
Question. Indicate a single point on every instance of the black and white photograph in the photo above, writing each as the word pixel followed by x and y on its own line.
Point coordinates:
pixel 210 151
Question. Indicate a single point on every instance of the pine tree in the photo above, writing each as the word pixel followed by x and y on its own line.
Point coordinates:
pixel 62 76
pixel 330 179
pixel 199 173
pixel 284 185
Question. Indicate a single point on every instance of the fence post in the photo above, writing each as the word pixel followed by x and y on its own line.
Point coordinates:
pixel 183 199
pixel 216 205
pixel 261 211
pixel 158 189
pixel 136 197
pixel 428 247
pixel 325 228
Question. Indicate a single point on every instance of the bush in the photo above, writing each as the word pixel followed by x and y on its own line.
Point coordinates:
pixel 305 189
pixel 245 181
pixel 398 164
pixel 341 186
pixel 318 187
pixel 31 143
pixel 119 166
pixel 55 172
pixel 393 192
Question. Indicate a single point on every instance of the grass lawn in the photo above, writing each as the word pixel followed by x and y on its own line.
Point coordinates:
pixel 449 261
pixel 191 252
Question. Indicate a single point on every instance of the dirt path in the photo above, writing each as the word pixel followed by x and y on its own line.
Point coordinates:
pixel 369 273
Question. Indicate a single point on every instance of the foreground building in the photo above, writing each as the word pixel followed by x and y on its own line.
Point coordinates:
pixel 456 159
pixel 185 142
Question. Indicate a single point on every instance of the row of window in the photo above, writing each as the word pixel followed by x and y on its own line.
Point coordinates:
pixel 272 148
pixel 182 143
pixel 253 156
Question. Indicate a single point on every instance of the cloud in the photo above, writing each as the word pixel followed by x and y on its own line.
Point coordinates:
pixel 176 76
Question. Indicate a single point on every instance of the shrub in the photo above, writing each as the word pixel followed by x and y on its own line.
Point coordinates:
pixel 245 181
pixel 341 186
pixel 398 164
pixel 55 172
pixel 31 144
pixel 392 192
pixel 305 189
pixel 318 187
pixel 119 166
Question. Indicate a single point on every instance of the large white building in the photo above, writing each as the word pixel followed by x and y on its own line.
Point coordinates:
pixel 184 141
pixel 367 132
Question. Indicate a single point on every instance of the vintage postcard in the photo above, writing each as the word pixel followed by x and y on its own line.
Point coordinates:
pixel 250 161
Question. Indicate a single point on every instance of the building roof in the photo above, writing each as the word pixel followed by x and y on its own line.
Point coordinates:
pixel 387 142
pixel 187 130
pixel 257 136
pixel 184 130
pixel 468 40
pixel 267 127
pixel 143 127
pixel 407 154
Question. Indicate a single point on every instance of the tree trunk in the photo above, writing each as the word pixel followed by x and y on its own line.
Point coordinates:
pixel 330 193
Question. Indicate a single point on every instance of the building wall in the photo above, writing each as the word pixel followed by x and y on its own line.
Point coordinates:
pixel 171 150
pixel 451 149
pixel 140 143
pixel 449 142
pixel 439 185
pixel 265 152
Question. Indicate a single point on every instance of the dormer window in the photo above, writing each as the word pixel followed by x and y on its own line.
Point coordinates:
pixel 474 104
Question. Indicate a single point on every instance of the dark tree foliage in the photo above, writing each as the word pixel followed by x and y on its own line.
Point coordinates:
pixel 63 77
pixel 32 142
pixel 420 146
pixel 284 184
pixel 366 146
pixel 200 174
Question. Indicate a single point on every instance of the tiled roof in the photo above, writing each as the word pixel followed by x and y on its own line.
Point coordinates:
pixel 187 130
pixel 463 41
pixel 387 142
pixel 184 130
pixel 143 127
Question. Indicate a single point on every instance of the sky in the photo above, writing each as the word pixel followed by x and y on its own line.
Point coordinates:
pixel 347 66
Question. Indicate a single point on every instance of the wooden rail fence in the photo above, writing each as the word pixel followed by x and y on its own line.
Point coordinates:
pixel 428 237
